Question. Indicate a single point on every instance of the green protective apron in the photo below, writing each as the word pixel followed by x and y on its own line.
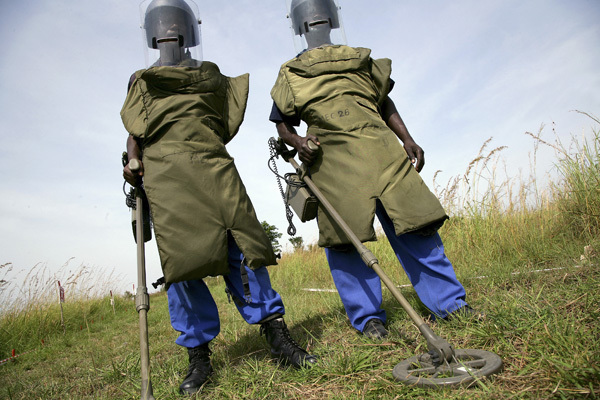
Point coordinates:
pixel 183 117
pixel 337 91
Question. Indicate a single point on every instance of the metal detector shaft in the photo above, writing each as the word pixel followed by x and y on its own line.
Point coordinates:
pixel 435 343
pixel 142 299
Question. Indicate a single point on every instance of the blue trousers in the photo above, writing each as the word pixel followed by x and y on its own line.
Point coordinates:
pixel 194 312
pixel 424 261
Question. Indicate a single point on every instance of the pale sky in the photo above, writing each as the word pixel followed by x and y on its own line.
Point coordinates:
pixel 465 71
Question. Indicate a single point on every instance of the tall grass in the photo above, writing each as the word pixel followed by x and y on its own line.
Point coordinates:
pixel 30 311
pixel 577 194
pixel 513 224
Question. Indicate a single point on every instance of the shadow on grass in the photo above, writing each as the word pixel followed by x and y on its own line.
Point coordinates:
pixel 252 346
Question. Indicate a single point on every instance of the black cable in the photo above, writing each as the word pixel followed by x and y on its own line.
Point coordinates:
pixel 291 230
pixel 129 197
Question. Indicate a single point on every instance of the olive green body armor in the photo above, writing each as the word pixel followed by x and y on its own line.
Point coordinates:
pixel 183 117
pixel 337 91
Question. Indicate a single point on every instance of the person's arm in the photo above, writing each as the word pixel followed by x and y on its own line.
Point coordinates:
pixel 134 151
pixel 393 120
pixel 289 135
pixel 286 131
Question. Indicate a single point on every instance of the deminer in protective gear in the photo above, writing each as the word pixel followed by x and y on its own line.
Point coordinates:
pixel 180 113
pixel 341 93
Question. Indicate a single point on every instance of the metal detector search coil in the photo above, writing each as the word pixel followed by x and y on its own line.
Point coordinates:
pixel 466 368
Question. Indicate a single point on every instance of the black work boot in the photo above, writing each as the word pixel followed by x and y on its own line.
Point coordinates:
pixel 199 370
pixel 374 329
pixel 283 347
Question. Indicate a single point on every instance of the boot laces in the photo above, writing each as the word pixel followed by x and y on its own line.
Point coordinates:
pixel 277 331
pixel 199 359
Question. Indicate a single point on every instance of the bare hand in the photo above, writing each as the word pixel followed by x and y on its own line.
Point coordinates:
pixel 133 178
pixel 307 155
pixel 416 155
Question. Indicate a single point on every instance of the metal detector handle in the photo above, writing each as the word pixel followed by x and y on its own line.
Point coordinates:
pixel 434 342
pixel 142 299
pixel 134 165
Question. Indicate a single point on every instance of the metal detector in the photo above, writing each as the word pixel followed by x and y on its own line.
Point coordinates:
pixel 442 366
pixel 142 299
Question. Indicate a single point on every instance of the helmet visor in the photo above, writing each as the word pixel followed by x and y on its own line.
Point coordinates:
pixel 171 32
pixel 315 23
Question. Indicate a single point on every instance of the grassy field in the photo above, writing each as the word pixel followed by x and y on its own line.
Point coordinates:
pixel 527 258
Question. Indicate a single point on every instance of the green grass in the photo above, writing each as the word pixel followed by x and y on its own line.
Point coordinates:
pixel 528 259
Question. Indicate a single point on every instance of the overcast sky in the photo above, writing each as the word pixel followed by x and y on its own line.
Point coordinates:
pixel 465 71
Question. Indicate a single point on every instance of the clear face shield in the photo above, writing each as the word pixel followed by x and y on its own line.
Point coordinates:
pixel 315 23
pixel 171 33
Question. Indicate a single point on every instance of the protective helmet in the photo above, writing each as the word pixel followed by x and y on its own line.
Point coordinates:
pixel 308 15
pixel 317 22
pixel 172 31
